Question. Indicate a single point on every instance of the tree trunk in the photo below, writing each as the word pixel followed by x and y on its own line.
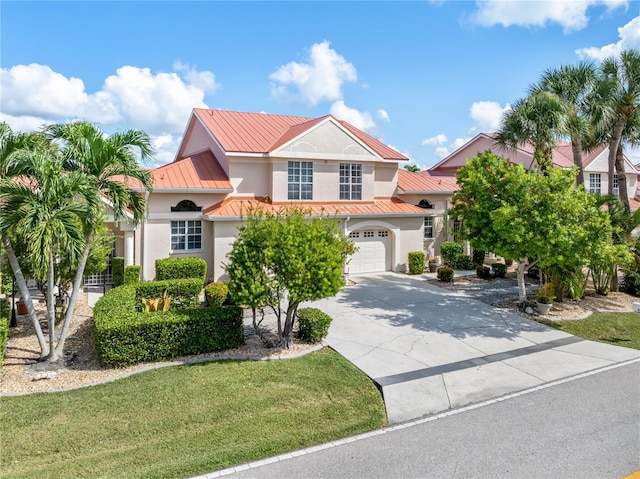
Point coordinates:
pixel 622 178
pixel 287 334
pixel 522 288
pixel 576 145
pixel 51 310
pixel 26 297
pixel 75 291
pixel 613 149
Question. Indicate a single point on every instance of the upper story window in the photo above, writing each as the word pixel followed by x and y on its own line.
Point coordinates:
pixel 428 227
pixel 300 181
pixel 594 182
pixel 350 181
pixel 185 205
pixel 616 185
pixel 186 235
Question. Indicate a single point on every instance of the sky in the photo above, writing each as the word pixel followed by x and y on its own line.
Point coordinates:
pixel 422 76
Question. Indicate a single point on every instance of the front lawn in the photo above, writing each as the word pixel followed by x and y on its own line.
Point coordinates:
pixel 621 329
pixel 187 420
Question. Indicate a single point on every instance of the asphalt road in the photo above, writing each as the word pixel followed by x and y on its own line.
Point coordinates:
pixel 585 428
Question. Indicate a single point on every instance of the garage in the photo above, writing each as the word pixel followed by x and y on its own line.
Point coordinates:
pixel 374 251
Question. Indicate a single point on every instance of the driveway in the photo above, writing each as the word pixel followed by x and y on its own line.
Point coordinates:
pixel 431 349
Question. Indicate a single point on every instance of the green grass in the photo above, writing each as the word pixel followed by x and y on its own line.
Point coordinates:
pixel 621 329
pixel 187 420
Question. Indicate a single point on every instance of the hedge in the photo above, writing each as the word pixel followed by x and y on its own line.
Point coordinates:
pixel 416 262
pixel 117 269
pixel 499 270
pixel 181 268
pixel 5 312
pixel 124 336
pixel 132 274
pixel 183 292
pixel 445 274
pixel 313 325
pixel 450 250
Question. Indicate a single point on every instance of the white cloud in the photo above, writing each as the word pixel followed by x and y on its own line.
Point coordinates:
pixel 361 120
pixel 437 140
pixel 383 115
pixel 442 151
pixel 319 79
pixel 486 115
pixel 133 97
pixel 570 14
pixel 629 38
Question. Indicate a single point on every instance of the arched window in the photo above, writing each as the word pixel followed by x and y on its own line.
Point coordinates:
pixel 425 204
pixel 185 205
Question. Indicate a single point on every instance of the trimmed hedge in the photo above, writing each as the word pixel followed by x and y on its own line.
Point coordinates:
pixel 313 325
pixel 416 262
pixel 117 269
pixel 499 270
pixel 445 274
pixel 483 272
pixel 215 294
pixel 5 313
pixel 450 250
pixel 181 268
pixel 132 274
pixel 183 292
pixel 124 336
pixel 464 262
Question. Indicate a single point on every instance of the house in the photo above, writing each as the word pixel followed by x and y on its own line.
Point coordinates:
pixel 435 187
pixel 230 161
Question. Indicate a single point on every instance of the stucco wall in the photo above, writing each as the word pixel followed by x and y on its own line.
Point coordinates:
pixel 385 180
pixel 198 140
pixel 161 203
pixel 251 176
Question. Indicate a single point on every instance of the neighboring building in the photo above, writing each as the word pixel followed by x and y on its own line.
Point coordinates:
pixel 229 161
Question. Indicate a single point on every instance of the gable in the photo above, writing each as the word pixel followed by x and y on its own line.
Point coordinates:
pixel 327 140
pixel 600 164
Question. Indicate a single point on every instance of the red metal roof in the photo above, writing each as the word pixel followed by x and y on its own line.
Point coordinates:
pixel 236 207
pixel 262 132
pixel 197 171
pixel 423 181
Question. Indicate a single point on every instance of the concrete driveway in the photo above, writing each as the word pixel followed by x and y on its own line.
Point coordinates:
pixel 431 349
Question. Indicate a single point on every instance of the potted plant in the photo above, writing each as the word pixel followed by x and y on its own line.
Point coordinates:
pixel 544 298
pixel 433 265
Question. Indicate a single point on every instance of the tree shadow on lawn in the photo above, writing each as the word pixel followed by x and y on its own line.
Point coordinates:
pixel 405 301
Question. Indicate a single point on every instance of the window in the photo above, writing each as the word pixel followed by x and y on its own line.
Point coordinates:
pixel 616 185
pixel 368 234
pixel 428 227
pixel 383 234
pixel 186 235
pixel 594 182
pixel 457 226
pixel 350 181
pixel 354 234
pixel 300 180
pixel 185 205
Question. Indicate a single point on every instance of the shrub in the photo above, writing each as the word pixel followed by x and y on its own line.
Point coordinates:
pixel 450 250
pixel 313 325
pixel 132 274
pixel 631 282
pixel 478 257
pixel 445 274
pixel 483 272
pixel 124 336
pixel 464 262
pixel 117 269
pixel 499 270
pixel 183 292
pixel 181 268
pixel 416 262
pixel 4 327
pixel 533 272
pixel 215 294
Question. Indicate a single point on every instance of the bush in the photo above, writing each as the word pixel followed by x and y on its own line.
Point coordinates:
pixel 464 262
pixel 450 250
pixel 181 268
pixel 124 336
pixel 631 282
pixel 215 294
pixel 416 262
pixel 132 274
pixel 499 270
pixel 117 269
pixel 5 313
pixel 445 274
pixel 313 325
pixel 478 257
pixel 183 292
pixel 533 272
pixel 483 272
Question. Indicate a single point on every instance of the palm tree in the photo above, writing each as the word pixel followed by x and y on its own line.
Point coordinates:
pixel 412 168
pixel 110 168
pixel 572 85
pixel 537 119
pixel 619 98
pixel 40 206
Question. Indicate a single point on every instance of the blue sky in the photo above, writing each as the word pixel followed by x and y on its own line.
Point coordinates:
pixel 421 76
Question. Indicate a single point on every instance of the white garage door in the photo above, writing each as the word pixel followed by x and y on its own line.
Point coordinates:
pixel 374 251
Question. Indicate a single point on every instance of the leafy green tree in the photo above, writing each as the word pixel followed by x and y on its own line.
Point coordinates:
pixel 518 213
pixel 412 168
pixel 281 259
